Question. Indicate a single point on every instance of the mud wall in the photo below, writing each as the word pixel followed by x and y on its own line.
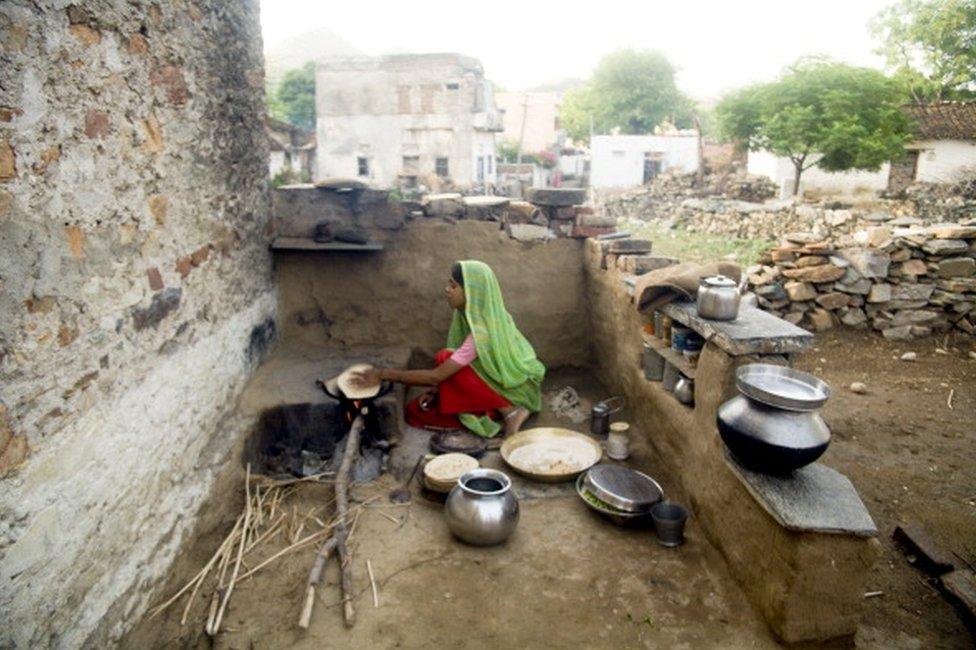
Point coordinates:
pixel 135 294
pixel 395 297
pixel 808 586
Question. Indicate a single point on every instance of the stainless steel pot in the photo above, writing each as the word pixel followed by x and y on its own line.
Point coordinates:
pixel 481 509
pixel 684 390
pixel 718 298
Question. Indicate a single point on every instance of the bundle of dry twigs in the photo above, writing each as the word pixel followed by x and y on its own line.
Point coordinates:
pixel 265 518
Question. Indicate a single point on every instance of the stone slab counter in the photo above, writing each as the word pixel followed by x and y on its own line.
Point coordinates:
pixel 814 498
pixel 803 572
pixel 752 332
pixel 136 295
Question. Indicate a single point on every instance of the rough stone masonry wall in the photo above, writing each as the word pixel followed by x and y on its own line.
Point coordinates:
pixel 135 294
pixel 903 267
pixel 905 282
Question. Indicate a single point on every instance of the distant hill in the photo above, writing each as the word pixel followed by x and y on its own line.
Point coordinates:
pixel 310 46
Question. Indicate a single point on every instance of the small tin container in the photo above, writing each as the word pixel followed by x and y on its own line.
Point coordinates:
pixel 679 334
pixel 618 441
pixel 693 342
pixel 658 324
pixel 653 364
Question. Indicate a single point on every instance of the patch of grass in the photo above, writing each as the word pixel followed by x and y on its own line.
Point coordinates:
pixel 699 247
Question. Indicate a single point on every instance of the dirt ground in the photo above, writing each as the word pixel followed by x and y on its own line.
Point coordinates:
pixel 569 579
pixel 913 459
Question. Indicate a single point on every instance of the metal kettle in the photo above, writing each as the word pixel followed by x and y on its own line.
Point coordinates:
pixel 718 298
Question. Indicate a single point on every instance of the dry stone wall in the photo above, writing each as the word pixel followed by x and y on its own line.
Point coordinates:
pixel 135 294
pixel 904 267
pixel 903 281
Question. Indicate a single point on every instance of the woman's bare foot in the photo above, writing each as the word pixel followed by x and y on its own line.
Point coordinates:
pixel 514 420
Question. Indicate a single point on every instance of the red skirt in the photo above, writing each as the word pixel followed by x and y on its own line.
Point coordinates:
pixel 462 392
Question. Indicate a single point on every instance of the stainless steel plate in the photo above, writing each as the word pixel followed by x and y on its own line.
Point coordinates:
pixel 623 488
pixel 782 387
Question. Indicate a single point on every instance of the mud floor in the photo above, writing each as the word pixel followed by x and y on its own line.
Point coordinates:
pixel 567 578
pixel 912 458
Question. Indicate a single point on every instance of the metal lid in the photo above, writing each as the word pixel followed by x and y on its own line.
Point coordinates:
pixel 781 387
pixel 623 488
pixel 718 281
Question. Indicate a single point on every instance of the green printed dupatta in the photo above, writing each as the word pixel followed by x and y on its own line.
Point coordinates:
pixel 506 360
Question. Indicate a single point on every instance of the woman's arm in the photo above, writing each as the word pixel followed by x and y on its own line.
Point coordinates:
pixel 430 377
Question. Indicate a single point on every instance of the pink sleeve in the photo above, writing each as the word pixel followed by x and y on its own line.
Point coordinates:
pixel 465 354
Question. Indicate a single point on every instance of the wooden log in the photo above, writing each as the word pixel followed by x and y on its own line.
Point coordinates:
pixel 337 542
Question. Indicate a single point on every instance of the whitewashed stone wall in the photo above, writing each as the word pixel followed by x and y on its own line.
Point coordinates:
pixel 135 294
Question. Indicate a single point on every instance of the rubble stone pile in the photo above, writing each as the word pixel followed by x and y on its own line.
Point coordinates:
pixel 548 213
pixel 904 281
pixel 942 202
pixel 733 205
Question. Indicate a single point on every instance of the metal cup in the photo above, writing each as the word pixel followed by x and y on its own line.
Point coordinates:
pixel 669 523
pixel 600 419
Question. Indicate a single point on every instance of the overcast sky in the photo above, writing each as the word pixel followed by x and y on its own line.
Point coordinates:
pixel 716 44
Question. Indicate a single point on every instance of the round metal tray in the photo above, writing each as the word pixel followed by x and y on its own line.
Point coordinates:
pixel 623 488
pixel 782 387
pixel 550 436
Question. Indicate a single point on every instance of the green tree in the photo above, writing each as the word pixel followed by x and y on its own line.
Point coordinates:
pixel 930 47
pixel 630 90
pixel 294 100
pixel 823 113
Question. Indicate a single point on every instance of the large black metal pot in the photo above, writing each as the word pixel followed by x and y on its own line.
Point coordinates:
pixel 769 439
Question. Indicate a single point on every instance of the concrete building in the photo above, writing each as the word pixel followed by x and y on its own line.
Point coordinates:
pixel 632 160
pixel 532 118
pixel 403 120
pixel 944 148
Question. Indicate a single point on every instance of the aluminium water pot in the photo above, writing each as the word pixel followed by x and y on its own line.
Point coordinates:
pixel 482 509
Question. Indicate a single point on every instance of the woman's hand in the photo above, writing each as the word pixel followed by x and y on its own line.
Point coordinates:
pixel 367 377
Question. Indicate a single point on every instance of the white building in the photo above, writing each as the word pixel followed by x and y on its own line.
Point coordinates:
pixel 632 160
pixel 406 120
pixel 944 150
